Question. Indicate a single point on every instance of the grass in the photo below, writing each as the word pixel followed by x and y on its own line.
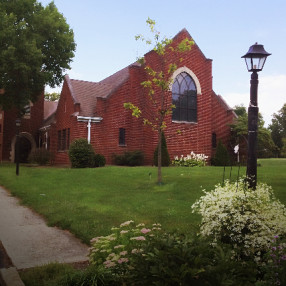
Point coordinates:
pixel 89 202
pixel 48 275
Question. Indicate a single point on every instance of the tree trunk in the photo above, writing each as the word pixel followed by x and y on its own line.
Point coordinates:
pixel 160 157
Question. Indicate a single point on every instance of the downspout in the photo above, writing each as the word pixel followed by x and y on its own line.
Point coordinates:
pixel 89 120
pixel 88 130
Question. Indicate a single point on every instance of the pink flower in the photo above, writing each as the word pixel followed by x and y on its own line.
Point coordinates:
pixel 122 260
pixel 145 230
pixel 126 223
pixel 123 252
pixel 138 238
pixel 109 263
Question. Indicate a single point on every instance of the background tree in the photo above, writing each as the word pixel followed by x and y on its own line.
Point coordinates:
pixel 158 84
pixel 36 48
pixel 265 144
pixel 278 130
pixel 54 96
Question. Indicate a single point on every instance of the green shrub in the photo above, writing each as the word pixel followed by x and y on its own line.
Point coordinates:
pixel 40 156
pixel 142 255
pixel 164 151
pixel 221 157
pixel 99 160
pixel 81 154
pixel 129 158
pixel 247 220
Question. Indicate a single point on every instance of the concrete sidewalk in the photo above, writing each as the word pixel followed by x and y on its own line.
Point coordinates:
pixel 29 242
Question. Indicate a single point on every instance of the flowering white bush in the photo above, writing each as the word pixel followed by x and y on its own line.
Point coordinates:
pixel 118 248
pixel 242 217
pixel 190 160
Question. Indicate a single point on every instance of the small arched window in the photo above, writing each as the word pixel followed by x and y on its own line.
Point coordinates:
pixel 184 98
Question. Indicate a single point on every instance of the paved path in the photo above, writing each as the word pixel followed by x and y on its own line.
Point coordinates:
pixel 29 242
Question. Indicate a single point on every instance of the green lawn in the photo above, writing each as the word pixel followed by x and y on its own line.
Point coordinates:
pixel 90 201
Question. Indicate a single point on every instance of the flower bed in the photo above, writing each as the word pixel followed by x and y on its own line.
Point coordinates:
pixel 190 160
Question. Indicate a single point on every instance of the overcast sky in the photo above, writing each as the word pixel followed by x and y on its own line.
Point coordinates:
pixel 223 29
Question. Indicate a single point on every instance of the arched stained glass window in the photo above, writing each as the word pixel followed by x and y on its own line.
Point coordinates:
pixel 184 97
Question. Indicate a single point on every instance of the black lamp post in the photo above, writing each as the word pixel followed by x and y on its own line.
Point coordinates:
pixel 255 60
pixel 17 147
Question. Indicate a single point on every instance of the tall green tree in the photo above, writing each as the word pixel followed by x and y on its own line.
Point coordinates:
pixel 265 144
pixel 54 96
pixel 278 129
pixel 158 84
pixel 36 47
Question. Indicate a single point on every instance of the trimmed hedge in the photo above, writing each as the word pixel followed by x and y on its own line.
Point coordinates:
pixel 129 158
pixel 81 154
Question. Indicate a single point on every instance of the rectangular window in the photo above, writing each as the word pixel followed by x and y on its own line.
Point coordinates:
pixel 122 137
pixel 59 140
pixel 214 140
pixel 68 139
pixel 64 139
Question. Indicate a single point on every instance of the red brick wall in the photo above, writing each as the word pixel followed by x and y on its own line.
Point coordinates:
pixel 197 137
pixel 222 116
pixel 30 125
pixel 64 120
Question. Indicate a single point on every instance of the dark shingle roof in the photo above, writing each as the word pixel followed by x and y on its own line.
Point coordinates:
pixel 86 92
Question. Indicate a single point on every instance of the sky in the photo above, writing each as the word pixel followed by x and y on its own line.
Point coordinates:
pixel 223 29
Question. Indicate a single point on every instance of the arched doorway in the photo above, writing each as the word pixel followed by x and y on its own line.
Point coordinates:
pixel 26 145
pixel 25 149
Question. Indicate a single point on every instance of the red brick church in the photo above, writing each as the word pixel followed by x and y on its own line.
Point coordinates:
pixel 95 111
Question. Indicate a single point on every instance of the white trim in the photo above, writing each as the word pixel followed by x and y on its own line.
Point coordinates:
pixel 91 119
pixel 188 71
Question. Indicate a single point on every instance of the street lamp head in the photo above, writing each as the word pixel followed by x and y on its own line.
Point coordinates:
pixel 255 58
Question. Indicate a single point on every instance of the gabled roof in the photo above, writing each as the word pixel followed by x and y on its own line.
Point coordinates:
pixel 49 108
pixel 86 92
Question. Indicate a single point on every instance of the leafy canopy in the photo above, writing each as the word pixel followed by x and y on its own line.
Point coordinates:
pixel 265 144
pixel 36 47
pixel 278 130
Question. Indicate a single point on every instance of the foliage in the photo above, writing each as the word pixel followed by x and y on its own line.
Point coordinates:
pixel 190 160
pixel 81 154
pixel 278 130
pixel 99 160
pixel 142 255
pixel 54 96
pixel 274 269
pixel 92 276
pixel 40 156
pixel 129 158
pixel 246 219
pixel 36 48
pixel 265 144
pixel 158 83
pixel 48 275
pixel 165 160
pixel 221 157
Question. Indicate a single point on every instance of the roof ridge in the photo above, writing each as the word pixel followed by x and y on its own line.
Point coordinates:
pixel 94 82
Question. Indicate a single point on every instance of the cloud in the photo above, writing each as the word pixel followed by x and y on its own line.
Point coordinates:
pixel 271 96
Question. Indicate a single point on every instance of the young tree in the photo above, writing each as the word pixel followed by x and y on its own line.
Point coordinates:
pixel 36 48
pixel 265 144
pixel 278 128
pixel 158 84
